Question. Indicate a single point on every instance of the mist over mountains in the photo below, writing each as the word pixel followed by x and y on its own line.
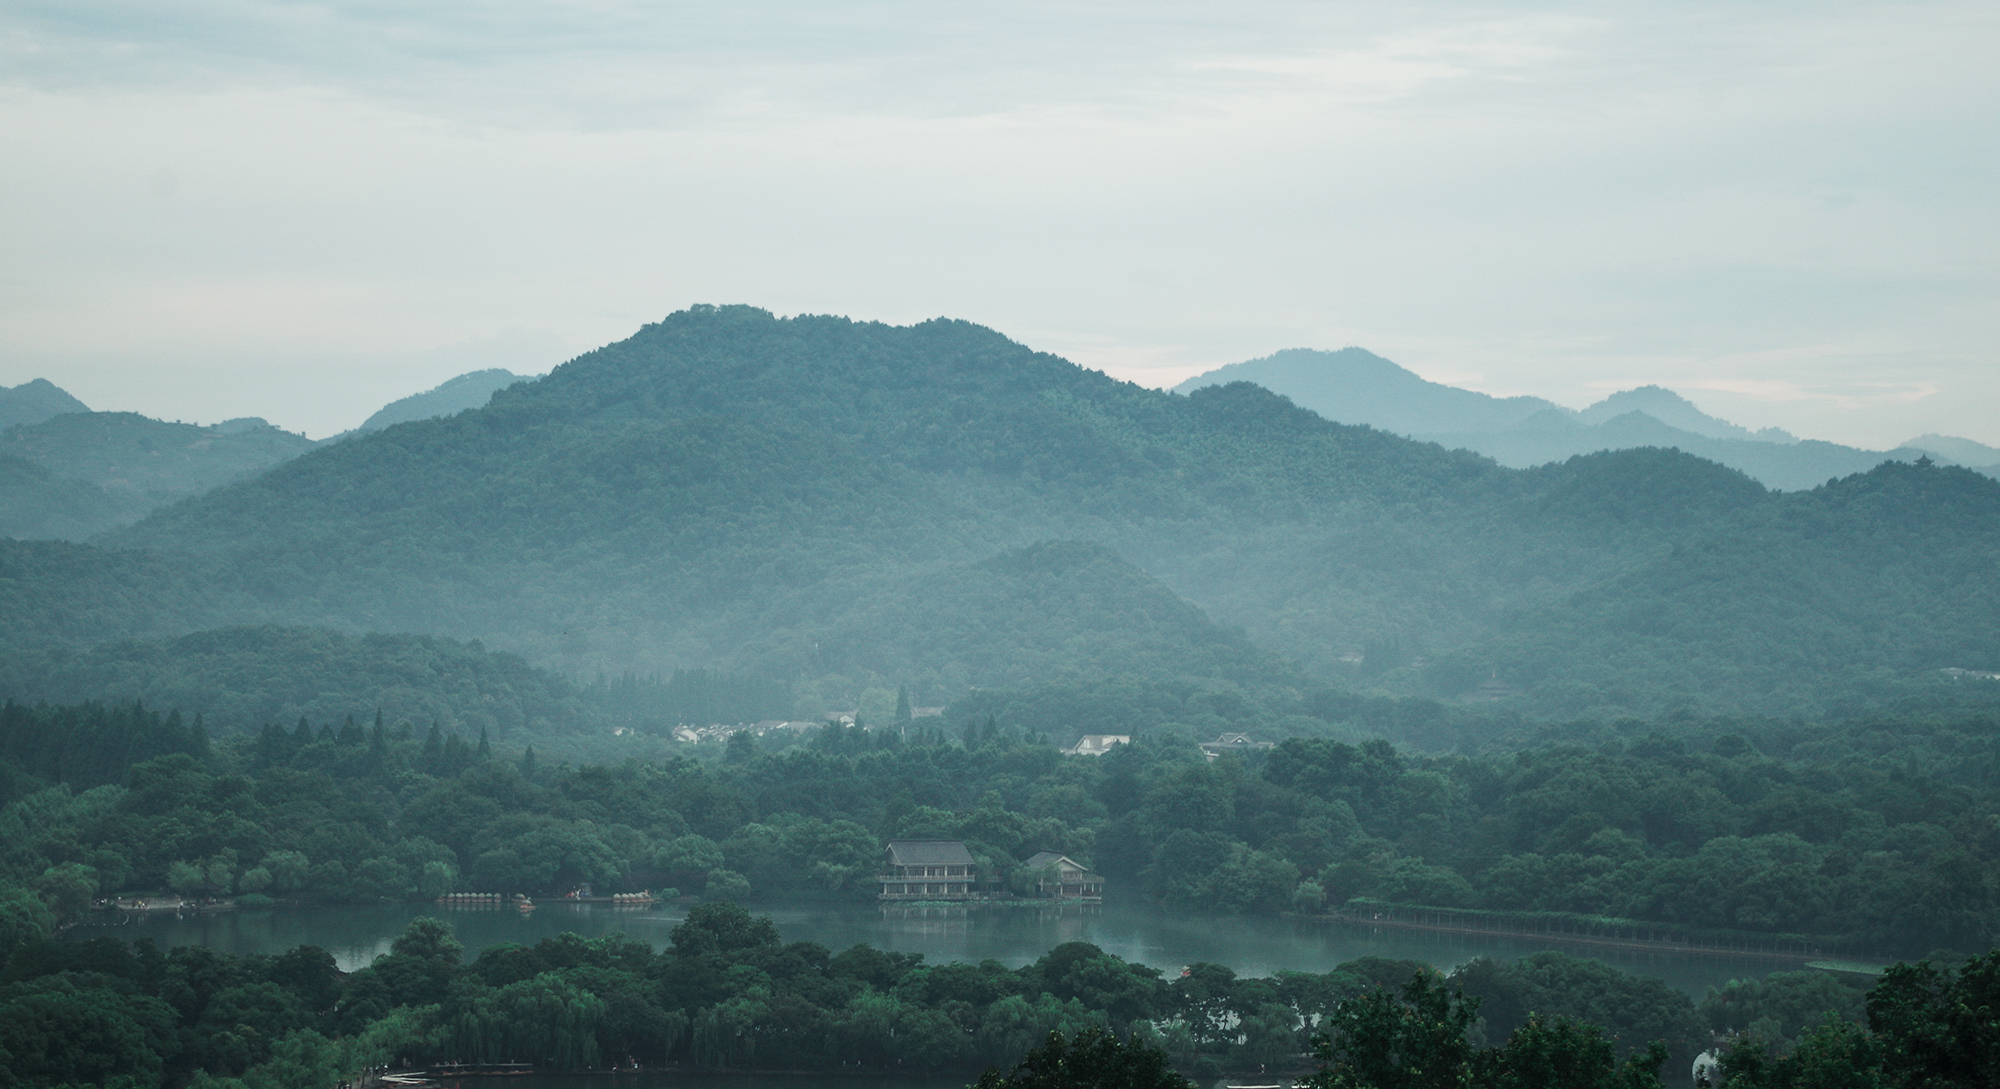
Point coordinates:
pixel 33 402
pixel 849 504
pixel 77 474
pixel 69 473
pixel 449 398
pixel 1358 387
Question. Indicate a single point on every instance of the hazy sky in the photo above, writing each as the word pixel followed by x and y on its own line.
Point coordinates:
pixel 1786 211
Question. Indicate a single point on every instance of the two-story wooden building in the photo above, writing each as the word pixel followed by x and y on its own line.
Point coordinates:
pixel 1064 878
pixel 928 869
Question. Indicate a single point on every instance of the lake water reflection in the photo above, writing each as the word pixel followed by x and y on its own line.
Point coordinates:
pixel 1162 938
pixel 706 1080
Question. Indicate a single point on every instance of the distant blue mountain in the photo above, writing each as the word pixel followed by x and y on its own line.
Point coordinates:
pixel 466 391
pixel 1354 386
pixel 1675 411
pixel 1963 451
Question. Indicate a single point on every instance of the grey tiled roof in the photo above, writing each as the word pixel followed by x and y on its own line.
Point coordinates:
pixel 929 852
pixel 1050 858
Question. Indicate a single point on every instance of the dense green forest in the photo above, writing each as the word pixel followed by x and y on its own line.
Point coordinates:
pixel 238 677
pixel 245 676
pixel 728 993
pixel 1633 692
pixel 79 473
pixel 1850 555
pixel 1875 837
pixel 840 505
pixel 155 459
pixel 36 503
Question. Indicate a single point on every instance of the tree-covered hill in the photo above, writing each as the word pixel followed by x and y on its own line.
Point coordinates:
pixel 38 505
pixel 69 473
pixel 33 402
pixel 59 594
pixel 449 398
pixel 724 472
pixel 150 458
pixel 1053 611
pixel 77 474
pixel 815 497
pixel 1058 611
pixel 240 678
pixel 1789 466
pixel 1813 598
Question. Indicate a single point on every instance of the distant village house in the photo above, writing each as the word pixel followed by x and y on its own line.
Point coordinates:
pixel 1233 743
pixel 1097 744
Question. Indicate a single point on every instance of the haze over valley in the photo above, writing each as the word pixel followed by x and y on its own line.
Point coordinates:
pixel 844 506
pixel 1189 546
pixel 717 610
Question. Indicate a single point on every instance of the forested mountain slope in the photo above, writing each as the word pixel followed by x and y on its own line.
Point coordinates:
pixel 240 678
pixel 1789 466
pixel 814 496
pixel 1057 611
pixel 38 505
pixel 69 473
pixel 1886 572
pixel 724 475
pixel 151 458
pixel 33 402
pixel 448 399
pixel 88 472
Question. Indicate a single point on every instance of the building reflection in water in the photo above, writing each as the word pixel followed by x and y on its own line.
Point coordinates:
pixel 1061 922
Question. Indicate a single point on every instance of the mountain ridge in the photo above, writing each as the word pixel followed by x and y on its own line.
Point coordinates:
pixel 1368 389
pixel 727 489
pixel 1677 412
pixel 33 401
pixel 99 471
pixel 454 395
pixel 1383 394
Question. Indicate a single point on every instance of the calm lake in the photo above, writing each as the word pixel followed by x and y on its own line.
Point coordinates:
pixel 1162 938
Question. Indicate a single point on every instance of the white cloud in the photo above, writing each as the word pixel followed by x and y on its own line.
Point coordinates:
pixel 1541 197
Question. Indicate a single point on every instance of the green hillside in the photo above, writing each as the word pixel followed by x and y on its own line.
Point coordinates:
pixel 77 474
pixel 62 595
pixel 1788 466
pixel 450 398
pixel 721 476
pixel 161 461
pixel 1813 600
pixel 37 504
pixel 240 678
pixel 825 500
pixel 1052 612
pixel 1060 611
pixel 33 402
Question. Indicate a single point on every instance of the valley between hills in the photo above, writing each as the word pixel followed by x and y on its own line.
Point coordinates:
pixel 842 509
pixel 718 614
